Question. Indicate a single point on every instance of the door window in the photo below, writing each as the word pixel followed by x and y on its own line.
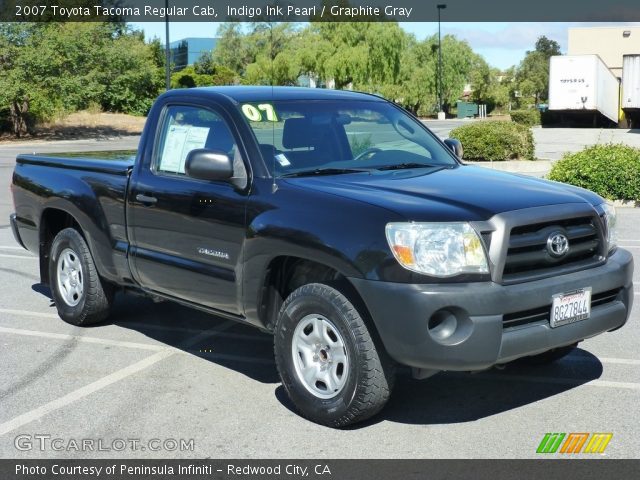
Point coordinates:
pixel 187 128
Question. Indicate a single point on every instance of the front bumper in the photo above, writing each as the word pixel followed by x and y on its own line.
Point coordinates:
pixel 401 313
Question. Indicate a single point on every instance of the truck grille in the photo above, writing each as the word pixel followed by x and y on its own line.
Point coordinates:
pixel 542 314
pixel 528 256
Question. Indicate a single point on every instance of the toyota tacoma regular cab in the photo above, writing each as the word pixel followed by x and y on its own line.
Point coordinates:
pixel 339 223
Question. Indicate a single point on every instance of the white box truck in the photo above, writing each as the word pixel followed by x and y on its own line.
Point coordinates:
pixel 631 89
pixel 631 82
pixel 582 84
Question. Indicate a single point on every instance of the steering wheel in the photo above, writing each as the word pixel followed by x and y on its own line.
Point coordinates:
pixel 367 153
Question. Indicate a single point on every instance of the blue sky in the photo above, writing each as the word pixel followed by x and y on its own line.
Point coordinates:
pixel 501 44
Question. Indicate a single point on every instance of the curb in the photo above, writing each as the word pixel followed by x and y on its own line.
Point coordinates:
pixel 541 167
pixel 626 203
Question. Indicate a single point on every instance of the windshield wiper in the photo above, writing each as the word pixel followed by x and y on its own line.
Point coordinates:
pixel 325 171
pixel 402 166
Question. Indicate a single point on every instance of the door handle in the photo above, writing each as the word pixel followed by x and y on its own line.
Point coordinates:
pixel 145 199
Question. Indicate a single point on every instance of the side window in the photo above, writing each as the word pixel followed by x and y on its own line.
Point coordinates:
pixel 187 128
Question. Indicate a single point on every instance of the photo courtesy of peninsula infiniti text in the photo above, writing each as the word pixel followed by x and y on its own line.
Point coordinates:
pixel 335 221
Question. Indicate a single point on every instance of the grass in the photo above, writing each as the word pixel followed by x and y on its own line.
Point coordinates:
pixel 86 124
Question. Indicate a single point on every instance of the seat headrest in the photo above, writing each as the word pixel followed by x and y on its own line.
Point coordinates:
pixel 219 137
pixel 300 133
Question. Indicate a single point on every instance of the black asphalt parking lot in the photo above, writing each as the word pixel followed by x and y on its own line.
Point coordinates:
pixel 166 381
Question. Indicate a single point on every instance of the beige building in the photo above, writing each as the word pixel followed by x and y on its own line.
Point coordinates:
pixel 610 43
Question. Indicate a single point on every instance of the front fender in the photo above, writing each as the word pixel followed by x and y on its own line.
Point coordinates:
pixel 345 235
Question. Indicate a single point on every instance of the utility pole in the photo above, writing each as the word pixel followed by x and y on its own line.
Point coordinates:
pixel 440 6
pixel 167 51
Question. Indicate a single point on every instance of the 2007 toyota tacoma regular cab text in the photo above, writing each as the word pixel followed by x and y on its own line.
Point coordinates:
pixel 336 221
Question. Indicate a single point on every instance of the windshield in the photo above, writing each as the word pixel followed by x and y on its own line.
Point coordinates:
pixel 326 135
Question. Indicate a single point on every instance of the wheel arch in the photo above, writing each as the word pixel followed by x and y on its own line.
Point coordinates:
pixel 53 221
pixel 286 273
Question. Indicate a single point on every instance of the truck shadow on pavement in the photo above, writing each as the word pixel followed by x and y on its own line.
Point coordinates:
pixel 232 345
pixel 448 397
pixel 457 397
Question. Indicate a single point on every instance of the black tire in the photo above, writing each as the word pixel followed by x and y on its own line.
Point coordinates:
pixel 94 303
pixel 549 356
pixel 370 372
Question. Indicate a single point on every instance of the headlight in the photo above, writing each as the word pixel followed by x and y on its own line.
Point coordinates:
pixel 610 220
pixel 439 249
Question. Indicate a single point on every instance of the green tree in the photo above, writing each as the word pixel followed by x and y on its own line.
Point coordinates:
pixel 232 49
pixel 366 55
pixel 198 76
pixel 416 89
pixel 14 101
pixel 491 86
pixel 378 57
pixel 458 61
pixel 188 77
pixel 220 75
pixel 129 74
pixel 264 54
pixel 532 76
pixel 460 65
pixel 51 69
pixel 547 47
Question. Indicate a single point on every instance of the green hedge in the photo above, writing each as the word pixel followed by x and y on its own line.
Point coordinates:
pixel 495 141
pixel 612 171
pixel 528 118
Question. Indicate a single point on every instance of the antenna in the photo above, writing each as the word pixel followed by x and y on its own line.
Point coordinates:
pixel 274 186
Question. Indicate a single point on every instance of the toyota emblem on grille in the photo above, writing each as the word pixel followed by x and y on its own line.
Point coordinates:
pixel 557 244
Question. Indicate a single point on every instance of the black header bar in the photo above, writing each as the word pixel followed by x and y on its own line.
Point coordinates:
pixel 320 10
pixel 121 469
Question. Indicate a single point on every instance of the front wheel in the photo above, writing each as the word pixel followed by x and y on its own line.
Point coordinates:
pixel 81 296
pixel 328 361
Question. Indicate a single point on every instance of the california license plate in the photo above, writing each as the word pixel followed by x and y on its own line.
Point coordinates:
pixel 570 307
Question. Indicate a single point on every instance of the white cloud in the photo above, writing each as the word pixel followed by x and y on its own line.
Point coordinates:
pixel 515 36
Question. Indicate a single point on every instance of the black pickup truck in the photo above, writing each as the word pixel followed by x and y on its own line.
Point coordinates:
pixel 338 222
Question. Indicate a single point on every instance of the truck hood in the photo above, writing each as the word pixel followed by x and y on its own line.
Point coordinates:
pixel 465 193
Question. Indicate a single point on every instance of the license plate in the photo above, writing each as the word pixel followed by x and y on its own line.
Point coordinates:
pixel 570 307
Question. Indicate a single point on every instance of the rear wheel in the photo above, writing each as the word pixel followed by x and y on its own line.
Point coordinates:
pixel 80 295
pixel 327 359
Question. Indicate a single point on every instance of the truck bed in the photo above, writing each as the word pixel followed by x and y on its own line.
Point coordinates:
pixel 113 162
pixel 91 186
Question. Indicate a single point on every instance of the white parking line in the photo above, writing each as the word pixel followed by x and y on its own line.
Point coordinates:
pixel 616 361
pixel 121 374
pixel 610 384
pixel 80 338
pixel 11 247
pixel 24 257
pixel 61 402
pixel 26 313
pixel 147 326
pixel 559 381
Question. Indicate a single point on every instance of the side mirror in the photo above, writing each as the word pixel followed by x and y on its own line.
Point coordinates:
pixel 206 164
pixel 455 146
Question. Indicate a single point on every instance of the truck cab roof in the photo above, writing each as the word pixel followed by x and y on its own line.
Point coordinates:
pixel 251 93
